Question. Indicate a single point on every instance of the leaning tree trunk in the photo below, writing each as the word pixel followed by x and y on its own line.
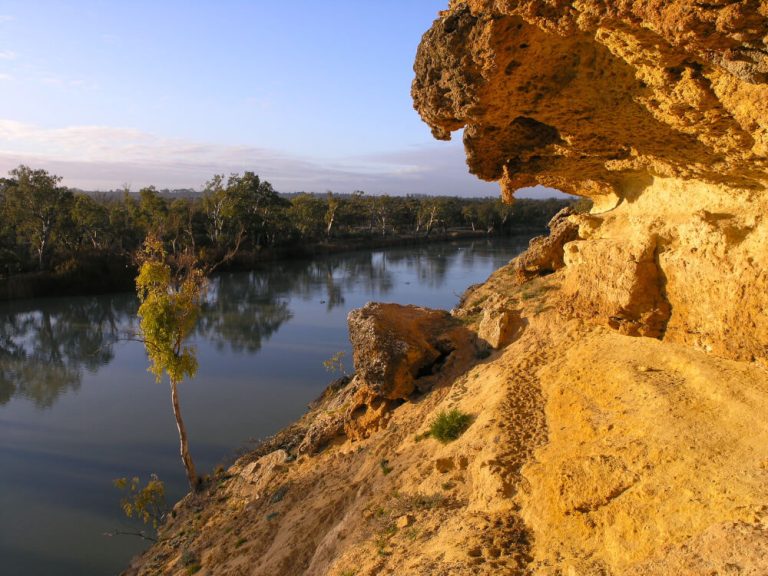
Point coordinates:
pixel 186 458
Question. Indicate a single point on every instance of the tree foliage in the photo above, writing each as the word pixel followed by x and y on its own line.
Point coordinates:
pixel 170 302
pixel 44 226
pixel 147 503
pixel 170 306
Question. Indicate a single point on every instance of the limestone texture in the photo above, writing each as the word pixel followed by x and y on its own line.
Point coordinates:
pixel 395 346
pixel 599 98
pixel 546 254
pixel 657 112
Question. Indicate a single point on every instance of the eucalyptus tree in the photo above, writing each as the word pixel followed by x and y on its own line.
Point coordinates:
pixel 170 306
pixel 153 211
pixel 332 208
pixel 38 206
pixel 91 221
pixel 307 213
pixel 258 206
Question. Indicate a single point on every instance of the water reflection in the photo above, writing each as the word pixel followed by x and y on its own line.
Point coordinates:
pixel 329 278
pixel 244 310
pixel 44 350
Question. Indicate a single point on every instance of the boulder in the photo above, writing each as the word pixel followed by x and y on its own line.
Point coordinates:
pixel 499 326
pixel 394 345
pixel 545 253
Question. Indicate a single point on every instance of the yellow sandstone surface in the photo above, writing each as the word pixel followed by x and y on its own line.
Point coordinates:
pixel 616 374
pixel 590 452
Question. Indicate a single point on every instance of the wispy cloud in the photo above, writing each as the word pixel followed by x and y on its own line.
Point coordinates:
pixel 5 77
pixel 6 18
pixel 60 82
pixel 104 157
pixel 7 55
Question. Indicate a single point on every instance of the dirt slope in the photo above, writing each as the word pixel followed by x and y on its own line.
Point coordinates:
pixel 590 452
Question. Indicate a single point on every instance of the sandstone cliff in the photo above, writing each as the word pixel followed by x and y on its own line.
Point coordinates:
pixel 658 111
pixel 615 373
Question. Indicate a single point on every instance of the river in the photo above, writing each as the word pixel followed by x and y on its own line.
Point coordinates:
pixel 78 407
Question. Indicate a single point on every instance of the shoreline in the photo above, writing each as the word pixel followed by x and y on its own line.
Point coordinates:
pixel 106 274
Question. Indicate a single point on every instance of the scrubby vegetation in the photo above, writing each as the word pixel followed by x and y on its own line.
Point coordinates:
pixel 89 238
pixel 448 426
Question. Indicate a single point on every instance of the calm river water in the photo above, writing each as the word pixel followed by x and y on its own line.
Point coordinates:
pixel 78 408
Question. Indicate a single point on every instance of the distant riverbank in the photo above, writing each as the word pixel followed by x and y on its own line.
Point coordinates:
pixel 107 273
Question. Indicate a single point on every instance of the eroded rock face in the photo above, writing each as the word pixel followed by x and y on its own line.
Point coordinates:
pixel 546 254
pixel 367 414
pixel 593 97
pixel 658 112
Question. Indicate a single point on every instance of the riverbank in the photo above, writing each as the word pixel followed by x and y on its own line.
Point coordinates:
pixel 103 274
pixel 76 396
pixel 588 452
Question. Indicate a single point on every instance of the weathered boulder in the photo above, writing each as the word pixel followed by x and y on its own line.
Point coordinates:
pixel 500 323
pixel 260 477
pixel 397 351
pixel 395 345
pixel 545 254
pixel 497 326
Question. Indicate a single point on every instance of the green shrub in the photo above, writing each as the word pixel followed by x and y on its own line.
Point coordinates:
pixel 145 502
pixel 449 425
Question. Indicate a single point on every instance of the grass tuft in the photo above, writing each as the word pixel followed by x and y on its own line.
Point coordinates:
pixel 449 425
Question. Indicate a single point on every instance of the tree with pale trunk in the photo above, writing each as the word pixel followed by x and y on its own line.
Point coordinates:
pixel 37 204
pixel 170 306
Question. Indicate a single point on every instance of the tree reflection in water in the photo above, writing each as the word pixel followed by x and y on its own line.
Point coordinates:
pixel 330 277
pixel 46 345
pixel 243 310
pixel 43 351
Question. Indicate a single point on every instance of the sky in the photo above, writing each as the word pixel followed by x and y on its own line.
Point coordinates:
pixel 311 95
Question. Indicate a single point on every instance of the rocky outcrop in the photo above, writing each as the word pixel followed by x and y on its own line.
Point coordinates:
pixel 595 98
pixel 546 254
pixel 658 112
pixel 398 351
pixel 395 346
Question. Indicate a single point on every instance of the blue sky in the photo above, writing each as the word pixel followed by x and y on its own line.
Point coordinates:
pixel 312 95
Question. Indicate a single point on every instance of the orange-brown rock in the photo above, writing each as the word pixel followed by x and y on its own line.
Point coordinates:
pixel 545 254
pixel 367 413
pixel 598 98
pixel 628 290
pixel 657 111
pixel 395 346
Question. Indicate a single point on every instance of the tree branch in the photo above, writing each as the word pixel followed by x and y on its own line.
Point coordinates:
pixel 139 534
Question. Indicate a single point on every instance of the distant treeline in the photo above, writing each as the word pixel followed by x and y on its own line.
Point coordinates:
pixel 47 228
